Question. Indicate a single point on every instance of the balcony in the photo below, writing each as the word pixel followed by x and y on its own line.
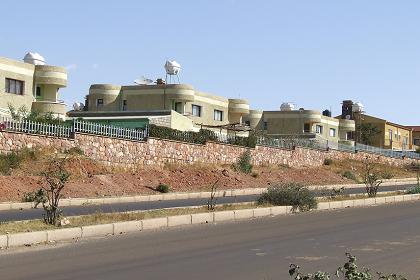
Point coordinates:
pixel 56 107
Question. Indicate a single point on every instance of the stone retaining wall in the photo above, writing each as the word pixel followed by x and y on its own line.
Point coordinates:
pixel 158 152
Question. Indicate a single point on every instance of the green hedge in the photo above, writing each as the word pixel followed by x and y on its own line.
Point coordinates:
pixel 200 137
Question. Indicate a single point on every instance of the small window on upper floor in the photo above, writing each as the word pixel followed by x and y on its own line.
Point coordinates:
pixel 15 86
pixel 124 105
pixel 248 123
pixel 218 115
pixel 332 132
pixel 178 107
pixel 319 129
pixel 306 127
pixel 196 110
pixel 38 92
pixel 99 103
pixel 265 125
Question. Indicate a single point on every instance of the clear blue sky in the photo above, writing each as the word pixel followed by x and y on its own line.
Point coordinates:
pixel 314 53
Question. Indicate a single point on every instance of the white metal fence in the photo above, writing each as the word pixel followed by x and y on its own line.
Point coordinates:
pixel 31 127
pixel 110 130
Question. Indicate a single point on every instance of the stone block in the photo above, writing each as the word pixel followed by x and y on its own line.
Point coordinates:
pixel 389 199
pixel 27 238
pixel 194 195
pixel 127 199
pixel 407 197
pixel 179 220
pixel 156 197
pixel 359 202
pixel 224 216
pixel 336 204
pixel 244 214
pixel 78 201
pixel 142 198
pixel 154 223
pixel 129 226
pixel 262 212
pixel 5 206
pixel 202 218
pixel 380 200
pixel 399 198
pixel 64 234
pixel 348 203
pixel 21 205
pixel 370 201
pixel 3 241
pixel 278 210
pixel 97 230
pixel 181 196
pixel 323 206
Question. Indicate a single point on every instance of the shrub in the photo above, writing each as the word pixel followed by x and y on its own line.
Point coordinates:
pixel 292 194
pixel 414 190
pixel 387 175
pixel 244 163
pixel 328 161
pixel 418 150
pixel 75 151
pixel 349 175
pixel 371 178
pixel 255 174
pixel 38 197
pixel 349 271
pixel 14 159
pixel 200 137
pixel 162 188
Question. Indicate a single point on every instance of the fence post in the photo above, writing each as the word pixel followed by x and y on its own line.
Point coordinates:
pixel 73 129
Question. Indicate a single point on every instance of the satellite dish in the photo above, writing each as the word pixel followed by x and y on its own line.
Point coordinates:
pixel 172 67
pixel 78 106
pixel 143 81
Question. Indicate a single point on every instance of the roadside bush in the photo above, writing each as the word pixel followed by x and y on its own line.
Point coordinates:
pixel 292 194
pixel 244 163
pixel 39 197
pixel 349 175
pixel 418 150
pixel 414 190
pixel 349 271
pixel 387 175
pixel 162 188
pixel 328 161
pixel 255 174
pixel 14 159
pixel 75 151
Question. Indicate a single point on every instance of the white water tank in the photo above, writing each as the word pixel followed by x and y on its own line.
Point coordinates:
pixel 287 106
pixel 172 67
pixel 34 58
pixel 357 107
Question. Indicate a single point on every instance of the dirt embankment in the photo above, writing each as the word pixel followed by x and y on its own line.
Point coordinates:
pixel 90 179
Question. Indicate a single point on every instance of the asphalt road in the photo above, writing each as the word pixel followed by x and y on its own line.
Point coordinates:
pixel 27 214
pixel 386 238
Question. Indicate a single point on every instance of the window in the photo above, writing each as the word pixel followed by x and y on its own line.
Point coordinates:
pixel 265 125
pixel 178 107
pixel 218 115
pixel 38 92
pixel 306 127
pixel 248 123
pixel 416 141
pixel 99 103
pixel 390 135
pixel 124 105
pixel 196 110
pixel 14 86
pixel 319 129
pixel 332 132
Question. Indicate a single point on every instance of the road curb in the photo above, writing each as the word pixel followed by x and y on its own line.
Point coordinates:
pixel 101 230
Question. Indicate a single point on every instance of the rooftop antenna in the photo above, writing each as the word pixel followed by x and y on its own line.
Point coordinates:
pixel 172 69
pixel 143 81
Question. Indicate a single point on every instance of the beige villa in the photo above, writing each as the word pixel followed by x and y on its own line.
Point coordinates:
pixel 179 106
pixel 32 84
pixel 310 124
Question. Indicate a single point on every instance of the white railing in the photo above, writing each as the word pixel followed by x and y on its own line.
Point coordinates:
pixel 31 127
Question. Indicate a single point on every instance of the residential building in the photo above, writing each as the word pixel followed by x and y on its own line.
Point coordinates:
pixel 31 84
pixel 311 124
pixel 389 135
pixel 178 106
pixel 415 135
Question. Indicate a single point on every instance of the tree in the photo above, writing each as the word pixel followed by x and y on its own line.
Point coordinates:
pixel 371 178
pixel 367 132
pixel 56 176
